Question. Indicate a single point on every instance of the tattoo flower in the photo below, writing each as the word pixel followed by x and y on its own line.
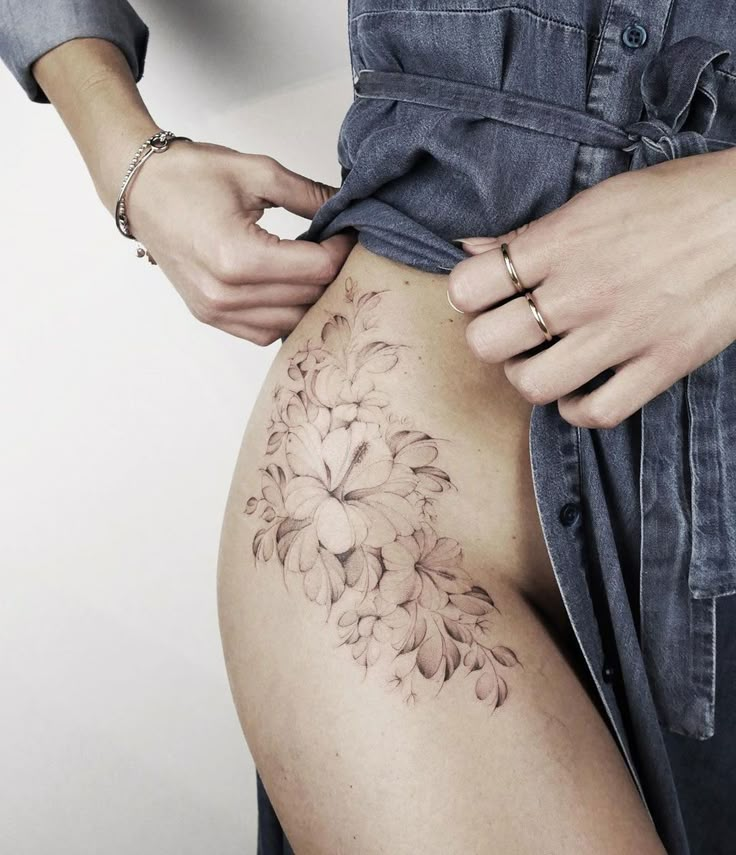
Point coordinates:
pixel 349 486
pixel 347 504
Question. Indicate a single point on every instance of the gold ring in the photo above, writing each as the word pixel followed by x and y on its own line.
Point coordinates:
pixel 460 311
pixel 538 316
pixel 511 269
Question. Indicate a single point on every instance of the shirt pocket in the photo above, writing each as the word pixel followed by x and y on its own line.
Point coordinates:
pixel 405 154
pixel 486 43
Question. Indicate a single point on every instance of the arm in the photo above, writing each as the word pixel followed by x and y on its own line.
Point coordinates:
pixel 90 83
pixel 85 57
pixel 197 206
pixel 30 29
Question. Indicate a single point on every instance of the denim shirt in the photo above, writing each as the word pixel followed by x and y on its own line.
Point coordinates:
pixel 474 118
pixel 30 29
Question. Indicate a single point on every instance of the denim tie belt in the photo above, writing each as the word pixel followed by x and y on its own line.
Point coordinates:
pixel 688 473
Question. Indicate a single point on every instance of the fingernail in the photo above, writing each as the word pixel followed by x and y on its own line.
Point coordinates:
pixel 475 241
pixel 458 242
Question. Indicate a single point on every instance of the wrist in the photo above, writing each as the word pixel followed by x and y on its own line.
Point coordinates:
pixel 89 82
pixel 113 156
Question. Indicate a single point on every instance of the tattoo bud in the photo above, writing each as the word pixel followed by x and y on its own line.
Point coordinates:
pixel 474 659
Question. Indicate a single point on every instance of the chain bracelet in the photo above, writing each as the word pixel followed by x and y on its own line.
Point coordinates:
pixel 155 144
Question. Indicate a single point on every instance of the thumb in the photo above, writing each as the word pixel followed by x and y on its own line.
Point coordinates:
pixel 338 246
pixel 295 192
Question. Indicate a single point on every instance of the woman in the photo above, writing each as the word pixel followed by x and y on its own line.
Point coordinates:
pixel 480 525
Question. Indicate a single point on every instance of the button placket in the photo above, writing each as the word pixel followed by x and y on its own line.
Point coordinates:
pixel 614 83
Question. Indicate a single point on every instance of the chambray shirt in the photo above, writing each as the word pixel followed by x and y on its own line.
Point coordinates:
pixel 473 118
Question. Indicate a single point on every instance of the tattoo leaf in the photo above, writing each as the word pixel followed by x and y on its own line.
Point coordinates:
pixel 503 690
pixel 470 604
pixel 349 500
pixel 458 631
pixel 430 655
pixel 377 357
pixel 486 688
pixel 474 659
pixel 274 441
pixel 504 656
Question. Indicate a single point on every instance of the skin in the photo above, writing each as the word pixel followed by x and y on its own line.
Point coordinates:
pixel 231 273
pixel 636 274
pixel 544 773
pixel 385 470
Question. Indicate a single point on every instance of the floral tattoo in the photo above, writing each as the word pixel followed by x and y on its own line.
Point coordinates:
pixel 348 505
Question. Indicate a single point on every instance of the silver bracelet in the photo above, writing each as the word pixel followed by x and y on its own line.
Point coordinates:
pixel 156 143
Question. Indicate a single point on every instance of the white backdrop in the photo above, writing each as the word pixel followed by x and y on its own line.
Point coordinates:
pixel 121 419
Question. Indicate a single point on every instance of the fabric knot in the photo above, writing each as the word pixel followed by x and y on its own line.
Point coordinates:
pixel 655 141
pixel 679 91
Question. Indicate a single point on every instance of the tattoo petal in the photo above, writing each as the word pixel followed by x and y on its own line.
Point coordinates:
pixel 349 498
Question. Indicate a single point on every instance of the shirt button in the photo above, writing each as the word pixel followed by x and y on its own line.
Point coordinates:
pixel 634 36
pixel 608 673
pixel 569 513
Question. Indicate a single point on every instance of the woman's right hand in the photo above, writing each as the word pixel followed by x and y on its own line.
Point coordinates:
pixel 196 208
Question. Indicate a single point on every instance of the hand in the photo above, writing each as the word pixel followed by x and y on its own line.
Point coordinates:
pixel 195 207
pixel 635 274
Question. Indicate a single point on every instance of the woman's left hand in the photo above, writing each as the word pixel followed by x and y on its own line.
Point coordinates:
pixel 635 274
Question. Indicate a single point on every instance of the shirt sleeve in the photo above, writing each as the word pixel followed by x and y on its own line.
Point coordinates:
pixel 30 29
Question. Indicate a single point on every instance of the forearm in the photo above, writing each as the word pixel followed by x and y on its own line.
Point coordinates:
pixel 89 82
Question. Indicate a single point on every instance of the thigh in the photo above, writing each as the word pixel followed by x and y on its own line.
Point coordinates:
pixel 380 561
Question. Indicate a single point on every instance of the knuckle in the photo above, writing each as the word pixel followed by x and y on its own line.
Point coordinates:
pixel 528 383
pixel 199 312
pixel 214 301
pixel 208 309
pixel 325 270
pixel 598 415
pixel 675 351
pixel 205 315
pixel 264 337
pixel 478 342
pixel 267 165
pixel 226 266
pixel 319 193
pixel 312 293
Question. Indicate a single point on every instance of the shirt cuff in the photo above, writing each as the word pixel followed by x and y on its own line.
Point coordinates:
pixel 29 30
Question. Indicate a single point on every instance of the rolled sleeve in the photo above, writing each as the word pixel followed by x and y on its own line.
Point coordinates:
pixel 29 30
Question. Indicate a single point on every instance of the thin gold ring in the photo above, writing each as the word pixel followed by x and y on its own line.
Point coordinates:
pixel 538 316
pixel 511 269
pixel 460 311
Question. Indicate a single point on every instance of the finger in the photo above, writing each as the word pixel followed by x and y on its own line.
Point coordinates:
pixel 267 294
pixel 565 366
pixel 268 317
pixel 483 280
pixel 633 384
pixel 217 313
pixel 255 335
pixel 511 328
pixel 211 299
pixel 281 187
pixel 260 256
